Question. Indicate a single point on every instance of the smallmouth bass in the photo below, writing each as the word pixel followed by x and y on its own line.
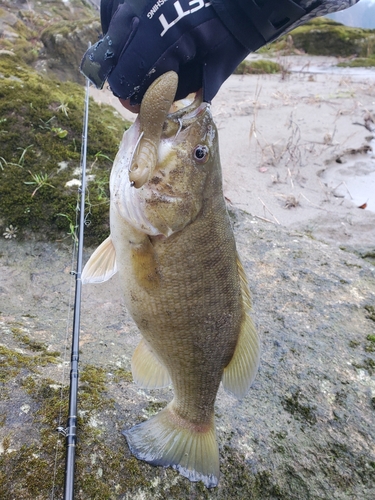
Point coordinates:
pixel 172 244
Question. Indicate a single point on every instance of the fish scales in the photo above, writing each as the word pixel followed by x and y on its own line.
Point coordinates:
pixel 184 316
pixel 172 244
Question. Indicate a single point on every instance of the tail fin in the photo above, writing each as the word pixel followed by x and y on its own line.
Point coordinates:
pixel 168 440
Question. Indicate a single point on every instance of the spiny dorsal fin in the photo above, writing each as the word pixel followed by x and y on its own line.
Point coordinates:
pixel 101 266
pixel 147 370
pixel 240 373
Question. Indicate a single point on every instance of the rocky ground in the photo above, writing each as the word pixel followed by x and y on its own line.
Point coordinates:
pixel 305 431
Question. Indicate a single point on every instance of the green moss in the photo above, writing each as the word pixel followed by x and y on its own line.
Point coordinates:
pixel 350 264
pixel 93 386
pixel 323 36
pixel 344 466
pixel 103 468
pixel 302 412
pixel 367 364
pixel 359 62
pixel 41 131
pixel 27 342
pixel 154 407
pixel 65 42
pixel 370 345
pixel 12 362
pixel 262 66
pixel 122 375
pixel 371 312
pixel 320 37
pixel 44 15
pixel 354 343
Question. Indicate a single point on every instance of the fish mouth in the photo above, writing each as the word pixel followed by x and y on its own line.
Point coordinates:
pixel 186 111
pixel 130 203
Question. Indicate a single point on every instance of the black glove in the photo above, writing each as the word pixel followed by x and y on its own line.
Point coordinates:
pixel 144 39
pixel 202 43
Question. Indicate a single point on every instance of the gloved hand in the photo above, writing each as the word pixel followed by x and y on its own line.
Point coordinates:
pixel 146 38
pixel 202 43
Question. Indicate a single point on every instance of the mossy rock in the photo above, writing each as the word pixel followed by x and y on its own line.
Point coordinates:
pixel 358 62
pixel 260 67
pixel 65 43
pixel 41 135
pixel 324 37
pixel 52 36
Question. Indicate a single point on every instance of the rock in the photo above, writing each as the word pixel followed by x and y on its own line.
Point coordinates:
pixel 305 430
pixel 65 43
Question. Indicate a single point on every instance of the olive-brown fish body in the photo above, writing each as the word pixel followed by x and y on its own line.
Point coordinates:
pixel 186 290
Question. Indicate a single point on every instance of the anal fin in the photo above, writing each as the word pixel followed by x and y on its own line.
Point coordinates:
pixel 240 373
pixel 101 266
pixel 148 371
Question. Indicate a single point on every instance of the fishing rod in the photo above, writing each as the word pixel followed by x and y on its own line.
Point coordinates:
pixel 70 431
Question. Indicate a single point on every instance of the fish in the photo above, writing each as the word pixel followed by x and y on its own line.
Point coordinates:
pixel 172 244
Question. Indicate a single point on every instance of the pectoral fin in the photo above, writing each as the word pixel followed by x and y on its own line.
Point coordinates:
pixel 101 266
pixel 147 370
pixel 240 373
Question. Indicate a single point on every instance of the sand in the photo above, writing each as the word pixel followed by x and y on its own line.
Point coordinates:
pixel 297 148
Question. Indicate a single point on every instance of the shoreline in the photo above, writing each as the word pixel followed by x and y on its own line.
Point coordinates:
pixel 281 134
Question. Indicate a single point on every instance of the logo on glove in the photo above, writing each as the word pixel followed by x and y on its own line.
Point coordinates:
pixel 194 4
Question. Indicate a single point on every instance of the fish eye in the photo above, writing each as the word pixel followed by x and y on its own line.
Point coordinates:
pixel 201 153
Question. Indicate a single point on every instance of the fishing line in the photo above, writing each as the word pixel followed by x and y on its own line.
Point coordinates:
pixel 134 151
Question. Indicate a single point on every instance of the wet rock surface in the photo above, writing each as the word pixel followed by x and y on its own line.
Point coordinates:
pixel 305 430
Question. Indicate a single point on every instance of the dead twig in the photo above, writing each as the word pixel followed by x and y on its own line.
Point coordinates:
pixel 268 210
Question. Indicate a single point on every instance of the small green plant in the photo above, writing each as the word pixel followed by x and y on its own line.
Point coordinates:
pixel 63 108
pixel 101 155
pixel 4 163
pixel 60 132
pixel 259 67
pixel 45 124
pixel 23 154
pixel 72 228
pixel 39 180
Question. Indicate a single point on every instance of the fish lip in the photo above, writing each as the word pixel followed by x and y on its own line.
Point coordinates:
pixel 190 112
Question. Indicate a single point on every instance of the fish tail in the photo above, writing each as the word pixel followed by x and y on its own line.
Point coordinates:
pixel 168 440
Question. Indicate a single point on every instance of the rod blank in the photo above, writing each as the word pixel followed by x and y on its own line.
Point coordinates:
pixel 71 427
